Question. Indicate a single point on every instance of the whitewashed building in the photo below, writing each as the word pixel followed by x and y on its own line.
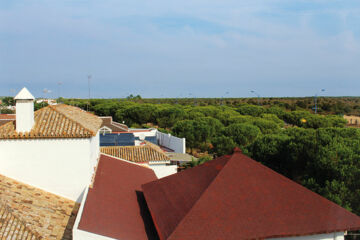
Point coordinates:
pixel 148 154
pixel 55 149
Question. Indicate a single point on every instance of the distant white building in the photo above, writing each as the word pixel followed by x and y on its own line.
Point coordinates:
pixel 47 100
pixel 55 149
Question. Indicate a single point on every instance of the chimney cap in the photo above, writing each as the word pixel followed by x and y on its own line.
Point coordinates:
pixel 24 94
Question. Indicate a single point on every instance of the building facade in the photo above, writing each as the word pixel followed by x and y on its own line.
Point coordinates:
pixel 55 149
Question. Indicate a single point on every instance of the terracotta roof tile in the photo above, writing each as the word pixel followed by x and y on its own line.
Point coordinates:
pixel 59 121
pixel 11 227
pixel 7 116
pixel 48 215
pixel 139 154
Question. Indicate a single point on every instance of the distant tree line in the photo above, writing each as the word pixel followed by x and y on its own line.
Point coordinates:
pixel 326 105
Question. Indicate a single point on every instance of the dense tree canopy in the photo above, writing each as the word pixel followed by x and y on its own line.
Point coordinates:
pixel 315 150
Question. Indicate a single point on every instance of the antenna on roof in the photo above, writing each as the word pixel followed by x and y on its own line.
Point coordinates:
pixel 88 105
pixel 12 92
pixel 46 91
pixel 59 88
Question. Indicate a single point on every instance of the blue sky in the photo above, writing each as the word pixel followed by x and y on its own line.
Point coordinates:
pixel 176 48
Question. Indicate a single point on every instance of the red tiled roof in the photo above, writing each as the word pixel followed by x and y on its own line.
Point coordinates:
pixel 245 200
pixel 115 207
pixel 182 190
pixel 7 116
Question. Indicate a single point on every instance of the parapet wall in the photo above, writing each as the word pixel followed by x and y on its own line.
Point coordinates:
pixel 171 142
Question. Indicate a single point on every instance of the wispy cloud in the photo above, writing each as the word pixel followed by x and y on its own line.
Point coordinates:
pixel 281 48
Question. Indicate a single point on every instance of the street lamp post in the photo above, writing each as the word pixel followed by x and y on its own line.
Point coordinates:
pixel 59 89
pixel 315 99
pixel 222 98
pixel 258 96
pixel 177 98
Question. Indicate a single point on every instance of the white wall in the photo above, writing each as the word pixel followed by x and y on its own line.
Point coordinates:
pixel 94 149
pixel 166 140
pixel 60 166
pixel 328 236
pixel 84 235
pixel 163 170
pixel 174 143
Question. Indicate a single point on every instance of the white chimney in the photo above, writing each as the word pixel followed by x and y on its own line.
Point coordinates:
pixel 24 111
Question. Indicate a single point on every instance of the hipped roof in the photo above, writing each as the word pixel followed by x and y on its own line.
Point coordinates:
pixel 115 205
pixel 57 121
pixel 243 200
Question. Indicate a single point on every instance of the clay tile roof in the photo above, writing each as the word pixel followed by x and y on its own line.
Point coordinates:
pixel 7 116
pixel 114 126
pixel 11 227
pixel 139 154
pixel 59 121
pixel 115 206
pixel 244 200
pixel 34 211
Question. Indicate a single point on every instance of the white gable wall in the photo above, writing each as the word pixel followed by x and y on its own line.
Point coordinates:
pixel 327 236
pixel 61 166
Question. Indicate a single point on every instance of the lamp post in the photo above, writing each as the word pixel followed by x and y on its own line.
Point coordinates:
pixel 46 91
pixel 88 103
pixel 258 96
pixel 59 89
pixel 315 99
pixel 222 98
pixel 177 98
pixel 161 96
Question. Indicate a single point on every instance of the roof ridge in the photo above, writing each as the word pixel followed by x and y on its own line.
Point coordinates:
pixel 86 112
pixel 239 161
pixel 124 160
pixel 155 148
pixel 288 180
pixel 23 225
pixel 70 118
pixel 197 200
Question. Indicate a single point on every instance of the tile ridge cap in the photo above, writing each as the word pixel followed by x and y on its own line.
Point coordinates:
pixel 70 118
pixel 197 200
pixel 3 204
